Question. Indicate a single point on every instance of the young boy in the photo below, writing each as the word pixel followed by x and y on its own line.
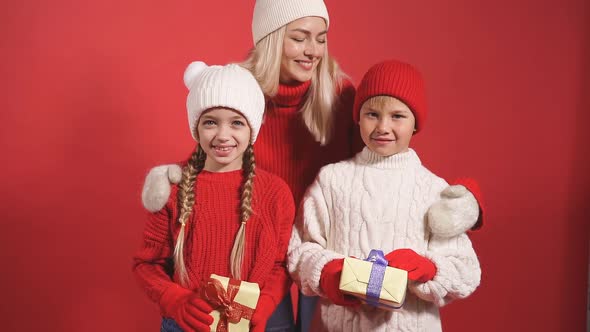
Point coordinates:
pixel 379 200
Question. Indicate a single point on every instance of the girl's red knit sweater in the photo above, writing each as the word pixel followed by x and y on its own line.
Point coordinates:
pixel 211 231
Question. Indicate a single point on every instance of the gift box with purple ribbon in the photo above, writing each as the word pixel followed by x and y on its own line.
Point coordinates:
pixel 373 281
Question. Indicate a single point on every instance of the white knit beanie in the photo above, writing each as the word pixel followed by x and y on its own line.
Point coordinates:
pixel 269 15
pixel 228 86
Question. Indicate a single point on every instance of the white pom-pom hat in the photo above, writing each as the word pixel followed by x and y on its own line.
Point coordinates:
pixel 229 86
pixel 269 15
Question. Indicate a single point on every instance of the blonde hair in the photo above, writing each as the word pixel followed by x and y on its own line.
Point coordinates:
pixel 378 102
pixel 264 61
pixel 186 202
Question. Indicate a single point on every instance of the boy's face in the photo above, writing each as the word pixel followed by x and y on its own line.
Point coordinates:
pixel 387 125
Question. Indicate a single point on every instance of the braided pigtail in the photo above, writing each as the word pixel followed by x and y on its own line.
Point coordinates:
pixel 237 253
pixel 186 201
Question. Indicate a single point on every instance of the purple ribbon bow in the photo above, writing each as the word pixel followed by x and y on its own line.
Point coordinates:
pixel 376 278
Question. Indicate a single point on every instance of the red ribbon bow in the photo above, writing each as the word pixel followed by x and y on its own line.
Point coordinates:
pixel 222 300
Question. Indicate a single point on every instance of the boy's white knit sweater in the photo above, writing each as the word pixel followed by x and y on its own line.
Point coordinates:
pixel 373 202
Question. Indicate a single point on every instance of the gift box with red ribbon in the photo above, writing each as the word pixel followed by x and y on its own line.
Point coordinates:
pixel 234 302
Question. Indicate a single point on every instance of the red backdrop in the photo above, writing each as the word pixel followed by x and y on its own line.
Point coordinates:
pixel 92 96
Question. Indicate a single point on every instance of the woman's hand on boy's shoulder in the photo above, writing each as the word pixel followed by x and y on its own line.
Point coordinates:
pixel 456 212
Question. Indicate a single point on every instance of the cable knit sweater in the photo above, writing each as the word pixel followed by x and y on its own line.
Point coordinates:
pixel 372 202
pixel 211 232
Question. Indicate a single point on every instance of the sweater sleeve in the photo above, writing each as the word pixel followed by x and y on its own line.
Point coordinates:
pixel 307 248
pixel 152 264
pixel 278 283
pixel 457 270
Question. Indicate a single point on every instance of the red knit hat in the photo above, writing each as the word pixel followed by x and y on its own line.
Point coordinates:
pixel 396 79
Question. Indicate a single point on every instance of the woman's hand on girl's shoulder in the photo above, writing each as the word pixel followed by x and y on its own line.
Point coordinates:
pixel 157 186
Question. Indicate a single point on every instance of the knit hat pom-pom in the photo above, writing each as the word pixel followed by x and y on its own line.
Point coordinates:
pixel 192 71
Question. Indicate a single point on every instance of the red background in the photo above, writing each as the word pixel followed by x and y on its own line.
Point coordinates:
pixel 92 96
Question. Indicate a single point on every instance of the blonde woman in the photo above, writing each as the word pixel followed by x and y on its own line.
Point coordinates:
pixel 225 217
pixel 308 117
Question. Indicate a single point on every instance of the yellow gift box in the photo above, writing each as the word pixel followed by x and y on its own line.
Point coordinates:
pixel 356 275
pixel 234 302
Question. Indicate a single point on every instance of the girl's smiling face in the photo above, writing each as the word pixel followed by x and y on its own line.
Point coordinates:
pixel 224 134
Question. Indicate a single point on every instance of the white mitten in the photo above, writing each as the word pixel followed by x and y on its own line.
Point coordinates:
pixel 455 213
pixel 156 188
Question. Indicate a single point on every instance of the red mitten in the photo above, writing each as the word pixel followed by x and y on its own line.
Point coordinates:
pixel 262 313
pixel 330 281
pixel 419 268
pixel 189 311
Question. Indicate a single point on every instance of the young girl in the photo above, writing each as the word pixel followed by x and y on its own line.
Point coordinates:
pixel 308 117
pixel 225 216
pixel 379 200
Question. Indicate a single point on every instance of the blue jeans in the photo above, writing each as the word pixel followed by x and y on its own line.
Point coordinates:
pixel 169 325
pixel 305 311
pixel 281 319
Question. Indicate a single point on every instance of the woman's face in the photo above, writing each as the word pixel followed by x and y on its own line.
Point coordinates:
pixel 304 46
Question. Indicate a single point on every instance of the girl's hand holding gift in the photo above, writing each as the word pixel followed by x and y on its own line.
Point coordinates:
pixel 187 309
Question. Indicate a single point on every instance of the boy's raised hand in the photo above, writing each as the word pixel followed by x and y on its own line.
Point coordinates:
pixel 156 189
pixel 187 309
pixel 330 282
pixel 456 212
pixel 419 268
